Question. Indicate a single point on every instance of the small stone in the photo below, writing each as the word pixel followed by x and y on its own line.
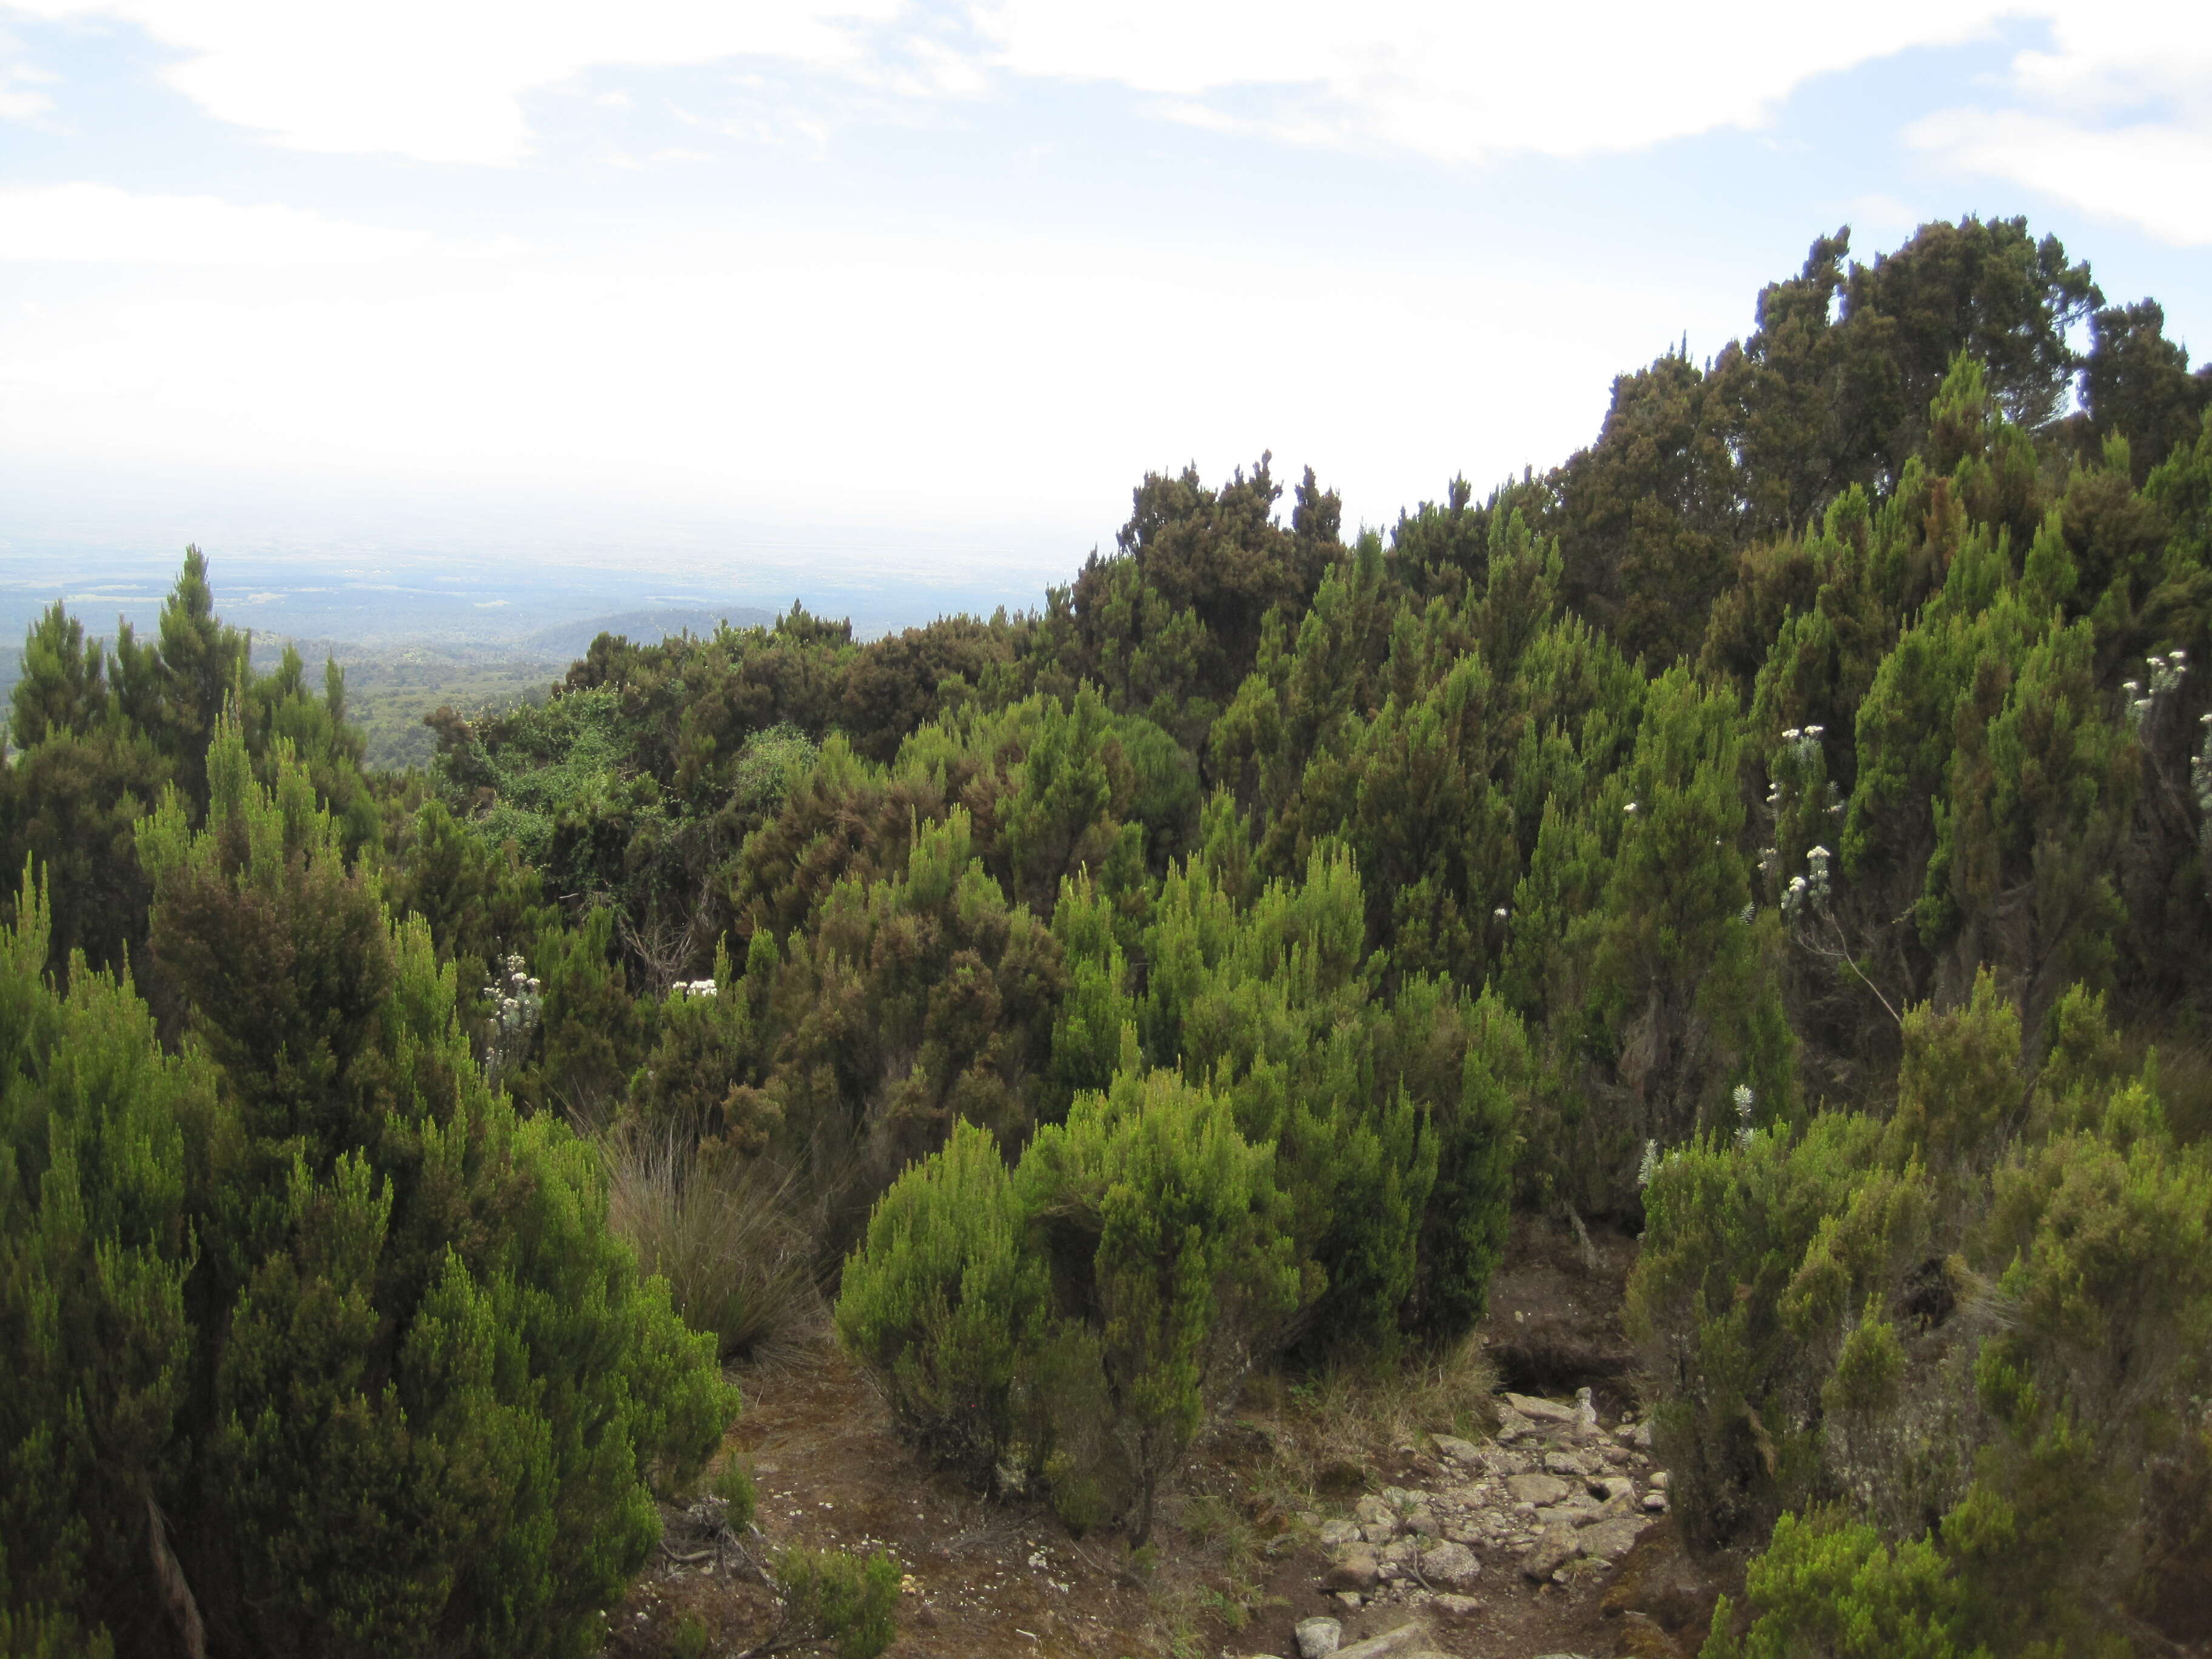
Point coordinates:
pixel 1610 1539
pixel 1338 1531
pixel 1536 1488
pixel 1612 1486
pixel 1655 1502
pixel 1354 1570
pixel 1659 1479
pixel 1456 1606
pixel 1319 1637
pixel 1422 1520
pixel 1450 1566
pixel 1406 1640
pixel 1644 1436
pixel 1565 1464
pixel 1400 1551
pixel 1557 1547
pixel 1374 1512
pixel 1585 1409
pixel 1541 1411
pixel 1459 1450
pixel 1350 1599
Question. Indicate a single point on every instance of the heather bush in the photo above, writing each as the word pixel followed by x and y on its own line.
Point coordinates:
pixel 943 1299
pixel 329 1350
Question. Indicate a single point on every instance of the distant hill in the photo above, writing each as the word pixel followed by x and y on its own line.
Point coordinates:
pixel 568 640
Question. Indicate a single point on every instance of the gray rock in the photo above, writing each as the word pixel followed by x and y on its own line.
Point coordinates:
pixel 1659 1479
pixel 1642 1436
pixel 1400 1551
pixel 1350 1600
pixel 1319 1637
pixel 1585 1409
pixel 1557 1547
pixel 1354 1570
pixel 1422 1520
pixel 1449 1567
pixel 1541 1411
pixel 1655 1502
pixel 1456 1606
pixel 1612 1486
pixel 1373 1512
pixel 1565 1463
pixel 1610 1539
pixel 1459 1450
pixel 1406 1640
pixel 1339 1531
pixel 1536 1488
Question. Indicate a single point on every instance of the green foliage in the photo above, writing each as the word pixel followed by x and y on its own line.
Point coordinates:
pixel 383 1368
pixel 835 1596
pixel 1166 1235
pixel 1785 824
pixel 1831 1589
pixel 942 1298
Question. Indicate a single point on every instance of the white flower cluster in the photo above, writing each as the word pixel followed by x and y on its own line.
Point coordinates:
pixel 2200 772
pixel 1745 1100
pixel 1649 1167
pixel 2165 674
pixel 1813 886
pixel 516 1007
pixel 694 987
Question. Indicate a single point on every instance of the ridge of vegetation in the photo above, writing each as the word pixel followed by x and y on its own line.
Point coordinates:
pixel 1784 831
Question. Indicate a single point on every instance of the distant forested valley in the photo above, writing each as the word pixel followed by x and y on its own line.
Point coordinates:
pixel 1780 833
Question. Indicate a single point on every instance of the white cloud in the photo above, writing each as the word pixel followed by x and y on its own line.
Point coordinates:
pixel 442 80
pixel 21 97
pixel 2115 118
pixel 1464 82
pixel 2157 175
pixel 80 223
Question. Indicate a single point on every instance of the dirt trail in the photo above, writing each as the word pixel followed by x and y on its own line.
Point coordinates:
pixel 1240 1553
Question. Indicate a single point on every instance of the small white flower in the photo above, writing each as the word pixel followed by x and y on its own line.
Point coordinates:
pixel 2131 686
pixel 1818 855
pixel 1814 731
pixel 1499 912
pixel 1791 736
pixel 1631 807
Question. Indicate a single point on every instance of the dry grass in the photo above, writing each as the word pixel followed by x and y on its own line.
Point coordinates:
pixel 736 1257
pixel 1357 1416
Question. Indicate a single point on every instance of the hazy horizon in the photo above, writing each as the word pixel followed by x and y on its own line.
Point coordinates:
pixel 896 300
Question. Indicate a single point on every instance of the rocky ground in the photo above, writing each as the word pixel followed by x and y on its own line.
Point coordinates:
pixel 1547 1535
pixel 1459 1560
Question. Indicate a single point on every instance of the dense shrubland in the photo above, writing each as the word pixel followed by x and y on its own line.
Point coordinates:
pixel 1784 831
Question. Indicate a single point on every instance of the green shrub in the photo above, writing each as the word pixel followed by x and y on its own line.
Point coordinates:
pixel 942 1298
pixel 733 1484
pixel 323 1347
pixel 1167 1235
pixel 835 1596
pixel 1831 1589
pixel 1081 1317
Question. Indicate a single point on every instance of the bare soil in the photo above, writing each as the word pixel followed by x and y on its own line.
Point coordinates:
pixel 1237 1563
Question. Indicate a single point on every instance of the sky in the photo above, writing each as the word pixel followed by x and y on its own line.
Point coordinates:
pixel 872 289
